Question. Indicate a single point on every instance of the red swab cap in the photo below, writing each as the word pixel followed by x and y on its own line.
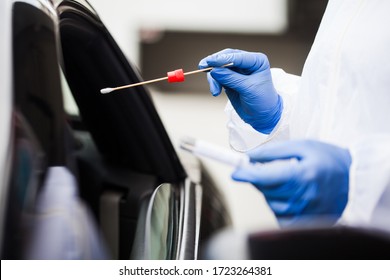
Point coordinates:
pixel 176 76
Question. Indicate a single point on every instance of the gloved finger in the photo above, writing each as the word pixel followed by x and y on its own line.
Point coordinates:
pixel 278 150
pixel 215 87
pixel 204 62
pixel 286 212
pixel 286 209
pixel 243 62
pixel 231 79
pixel 241 85
pixel 267 175
pixel 282 192
pixel 280 208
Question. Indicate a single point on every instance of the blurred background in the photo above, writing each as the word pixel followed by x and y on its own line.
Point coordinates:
pixel 160 36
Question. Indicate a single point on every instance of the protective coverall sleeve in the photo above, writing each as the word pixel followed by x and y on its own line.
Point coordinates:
pixel 369 186
pixel 242 137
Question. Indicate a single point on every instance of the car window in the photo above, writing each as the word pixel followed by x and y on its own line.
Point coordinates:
pixel 158 227
pixel 126 127
pixel 69 102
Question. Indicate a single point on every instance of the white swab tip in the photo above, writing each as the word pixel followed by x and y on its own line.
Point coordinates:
pixel 106 90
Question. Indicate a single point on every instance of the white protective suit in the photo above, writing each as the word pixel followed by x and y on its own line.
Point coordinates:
pixel 63 227
pixel 342 97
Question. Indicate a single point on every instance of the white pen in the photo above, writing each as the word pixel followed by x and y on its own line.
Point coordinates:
pixel 205 149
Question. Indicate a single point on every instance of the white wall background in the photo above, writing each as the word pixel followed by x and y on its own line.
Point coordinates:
pixel 125 18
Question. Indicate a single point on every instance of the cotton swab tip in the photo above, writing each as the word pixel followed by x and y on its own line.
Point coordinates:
pixel 106 90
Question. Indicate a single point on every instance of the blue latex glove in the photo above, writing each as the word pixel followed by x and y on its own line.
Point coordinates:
pixel 300 191
pixel 248 85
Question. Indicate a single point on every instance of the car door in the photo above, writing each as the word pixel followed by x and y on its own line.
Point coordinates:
pixel 116 149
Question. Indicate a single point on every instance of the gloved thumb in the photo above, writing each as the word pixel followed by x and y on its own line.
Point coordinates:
pixel 215 87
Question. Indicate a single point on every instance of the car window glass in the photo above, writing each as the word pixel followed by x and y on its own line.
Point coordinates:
pixel 69 102
pixel 160 230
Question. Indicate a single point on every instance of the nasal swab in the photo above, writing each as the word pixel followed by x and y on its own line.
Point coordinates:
pixel 202 148
pixel 175 76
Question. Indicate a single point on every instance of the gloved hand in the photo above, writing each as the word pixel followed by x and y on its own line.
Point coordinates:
pixel 300 191
pixel 248 85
